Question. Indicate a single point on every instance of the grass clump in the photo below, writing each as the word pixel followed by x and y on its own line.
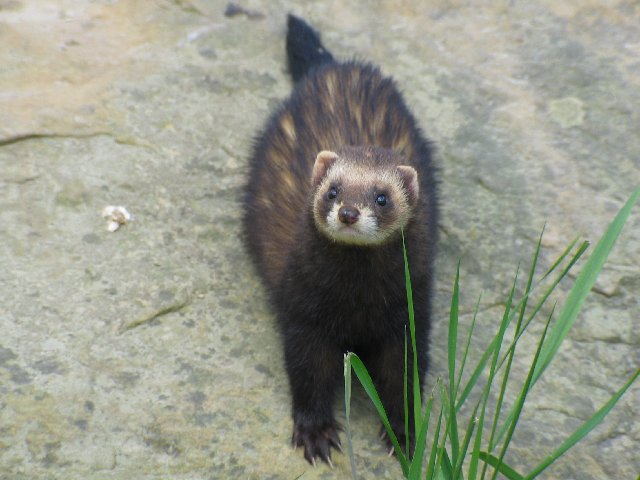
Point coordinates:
pixel 481 452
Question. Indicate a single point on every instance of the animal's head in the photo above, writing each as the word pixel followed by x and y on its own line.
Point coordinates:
pixel 363 195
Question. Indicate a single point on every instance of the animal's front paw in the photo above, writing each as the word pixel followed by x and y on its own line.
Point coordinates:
pixel 317 441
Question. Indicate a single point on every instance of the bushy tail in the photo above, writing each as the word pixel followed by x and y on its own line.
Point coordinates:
pixel 304 49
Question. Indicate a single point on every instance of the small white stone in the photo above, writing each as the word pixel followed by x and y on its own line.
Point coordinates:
pixel 116 215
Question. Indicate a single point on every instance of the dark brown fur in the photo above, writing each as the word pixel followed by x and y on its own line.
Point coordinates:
pixel 332 298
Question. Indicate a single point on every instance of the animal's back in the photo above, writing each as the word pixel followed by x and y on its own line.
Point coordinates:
pixel 334 105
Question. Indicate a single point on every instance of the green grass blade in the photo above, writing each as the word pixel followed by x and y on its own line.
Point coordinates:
pixel 583 285
pixel 453 333
pixel 503 468
pixel 452 343
pixel 496 352
pixel 347 408
pixel 547 293
pixel 467 345
pixel 586 427
pixel 415 469
pixel 477 372
pixel 447 470
pixel 445 405
pixel 545 297
pixel 491 350
pixel 417 399
pixel 559 260
pixel 487 354
pixel 442 453
pixel 365 379
pixel 465 443
pixel 405 379
pixel 431 466
pixel 507 370
pixel 522 397
pixel 464 359
pixel 583 247
pixel 475 451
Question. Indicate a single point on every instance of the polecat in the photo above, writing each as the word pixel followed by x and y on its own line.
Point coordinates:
pixel 340 169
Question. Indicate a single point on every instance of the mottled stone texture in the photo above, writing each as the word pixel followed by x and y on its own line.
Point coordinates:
pixel 151 353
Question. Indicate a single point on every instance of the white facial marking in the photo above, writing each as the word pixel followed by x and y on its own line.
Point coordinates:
pixel 365 231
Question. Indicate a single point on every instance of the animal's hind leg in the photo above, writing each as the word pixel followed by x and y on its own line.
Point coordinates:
pixel 386 367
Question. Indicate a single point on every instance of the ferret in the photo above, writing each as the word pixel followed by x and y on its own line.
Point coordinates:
pixel 338 173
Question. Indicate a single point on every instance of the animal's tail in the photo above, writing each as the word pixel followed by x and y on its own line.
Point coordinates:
pixel 304 49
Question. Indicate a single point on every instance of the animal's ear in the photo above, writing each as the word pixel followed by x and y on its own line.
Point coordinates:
pixel 323 163
pixel 410 180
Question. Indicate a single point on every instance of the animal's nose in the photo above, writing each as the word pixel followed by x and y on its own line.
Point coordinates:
pixel 348 215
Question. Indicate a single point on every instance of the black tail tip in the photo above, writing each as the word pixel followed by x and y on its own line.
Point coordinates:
pixel 298 28
pixel 294 22
pixel 304 48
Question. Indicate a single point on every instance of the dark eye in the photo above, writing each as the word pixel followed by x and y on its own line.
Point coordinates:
pixel 381 200
pixel 333 193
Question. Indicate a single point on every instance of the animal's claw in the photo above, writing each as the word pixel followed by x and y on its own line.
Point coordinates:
pixel 317 441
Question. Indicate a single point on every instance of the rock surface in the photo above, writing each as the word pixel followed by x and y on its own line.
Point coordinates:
pixel 151 353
